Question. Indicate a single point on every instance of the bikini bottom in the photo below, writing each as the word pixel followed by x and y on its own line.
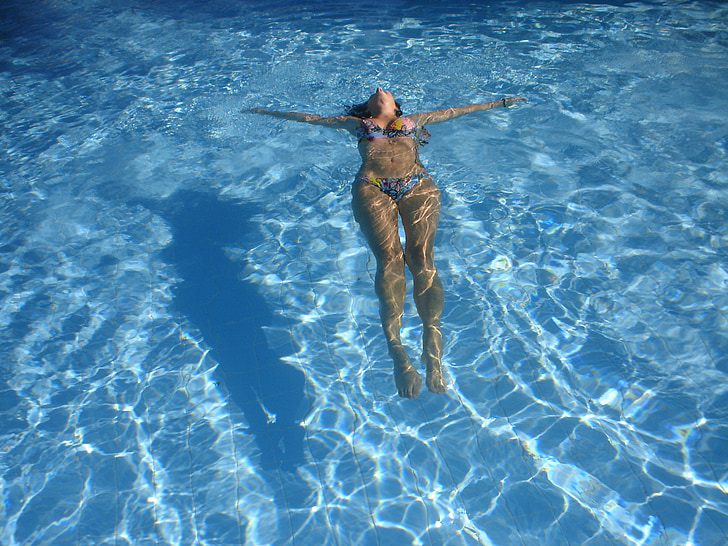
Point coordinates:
pixel 394 187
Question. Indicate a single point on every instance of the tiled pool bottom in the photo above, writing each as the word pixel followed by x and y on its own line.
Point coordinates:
pixel 191 345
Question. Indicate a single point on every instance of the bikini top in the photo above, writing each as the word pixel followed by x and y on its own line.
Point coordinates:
pixel 369 130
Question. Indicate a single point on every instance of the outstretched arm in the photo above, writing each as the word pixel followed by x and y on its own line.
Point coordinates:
pixel 449 113
pixel 349 123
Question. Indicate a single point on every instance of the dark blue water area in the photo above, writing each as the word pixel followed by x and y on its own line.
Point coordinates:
pixel 230 314
pixel 21 19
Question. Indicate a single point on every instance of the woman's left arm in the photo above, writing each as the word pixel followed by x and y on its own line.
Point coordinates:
pixel 349 123
pixel 449 113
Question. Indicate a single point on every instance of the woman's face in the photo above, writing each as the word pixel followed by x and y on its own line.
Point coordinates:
pixel 381 102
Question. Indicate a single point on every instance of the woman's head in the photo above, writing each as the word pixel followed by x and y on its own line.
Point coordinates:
pixel 380 101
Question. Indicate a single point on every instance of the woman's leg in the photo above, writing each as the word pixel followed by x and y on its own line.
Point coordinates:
pixel 420 211
pixel 376 214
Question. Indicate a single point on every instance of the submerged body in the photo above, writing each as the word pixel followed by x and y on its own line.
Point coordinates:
pixel 392 183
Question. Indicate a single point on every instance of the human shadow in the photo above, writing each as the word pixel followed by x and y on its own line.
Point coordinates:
pixel 230 314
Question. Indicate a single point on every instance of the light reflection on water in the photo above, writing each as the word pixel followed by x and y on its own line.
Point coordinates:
pixel 582 246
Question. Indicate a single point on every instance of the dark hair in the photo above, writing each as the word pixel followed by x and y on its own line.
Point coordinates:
pixel 362 110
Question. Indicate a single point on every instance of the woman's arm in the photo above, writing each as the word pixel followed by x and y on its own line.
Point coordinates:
pixel 349 123
pixel 449 113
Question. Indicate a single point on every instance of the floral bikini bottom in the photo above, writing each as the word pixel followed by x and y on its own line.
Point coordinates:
pixel 394 187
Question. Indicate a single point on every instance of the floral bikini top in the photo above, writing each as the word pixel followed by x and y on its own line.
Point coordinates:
pixel 400 127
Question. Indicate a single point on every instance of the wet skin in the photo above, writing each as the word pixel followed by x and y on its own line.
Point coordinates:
pixel 378 216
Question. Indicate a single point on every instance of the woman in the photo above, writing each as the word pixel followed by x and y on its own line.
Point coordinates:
pixel 392 181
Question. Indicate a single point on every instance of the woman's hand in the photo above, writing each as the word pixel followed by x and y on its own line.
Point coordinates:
pixel 507 101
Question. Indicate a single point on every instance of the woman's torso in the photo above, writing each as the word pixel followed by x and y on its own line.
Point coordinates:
pixel 390 152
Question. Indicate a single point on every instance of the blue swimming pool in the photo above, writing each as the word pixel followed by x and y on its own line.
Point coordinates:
pixel 191 350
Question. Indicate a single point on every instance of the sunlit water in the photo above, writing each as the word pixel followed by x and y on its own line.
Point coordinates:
pixel 191 350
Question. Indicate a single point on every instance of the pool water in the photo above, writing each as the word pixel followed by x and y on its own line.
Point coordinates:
pixel 191 348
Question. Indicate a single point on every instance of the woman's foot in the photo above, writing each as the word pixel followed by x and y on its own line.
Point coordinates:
pixel 431 353
pixel 408 382
pixel 406 378
pixel 435 380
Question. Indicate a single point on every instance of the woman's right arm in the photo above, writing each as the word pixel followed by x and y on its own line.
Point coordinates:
pixel 350 123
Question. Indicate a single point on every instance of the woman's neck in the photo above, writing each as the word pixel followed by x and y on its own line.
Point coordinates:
pixel 383 120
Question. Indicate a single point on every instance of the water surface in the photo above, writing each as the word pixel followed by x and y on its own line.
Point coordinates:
pixel 190 339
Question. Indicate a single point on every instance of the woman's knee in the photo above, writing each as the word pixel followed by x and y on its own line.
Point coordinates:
pixel 419 257
pixel 390 259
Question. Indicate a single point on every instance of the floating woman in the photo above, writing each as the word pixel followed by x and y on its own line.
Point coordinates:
pixel 392 181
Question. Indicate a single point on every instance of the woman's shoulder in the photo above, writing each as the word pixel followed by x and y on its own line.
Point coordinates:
pixel 418 119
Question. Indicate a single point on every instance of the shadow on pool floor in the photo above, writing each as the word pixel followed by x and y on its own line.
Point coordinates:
pixel 230 314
